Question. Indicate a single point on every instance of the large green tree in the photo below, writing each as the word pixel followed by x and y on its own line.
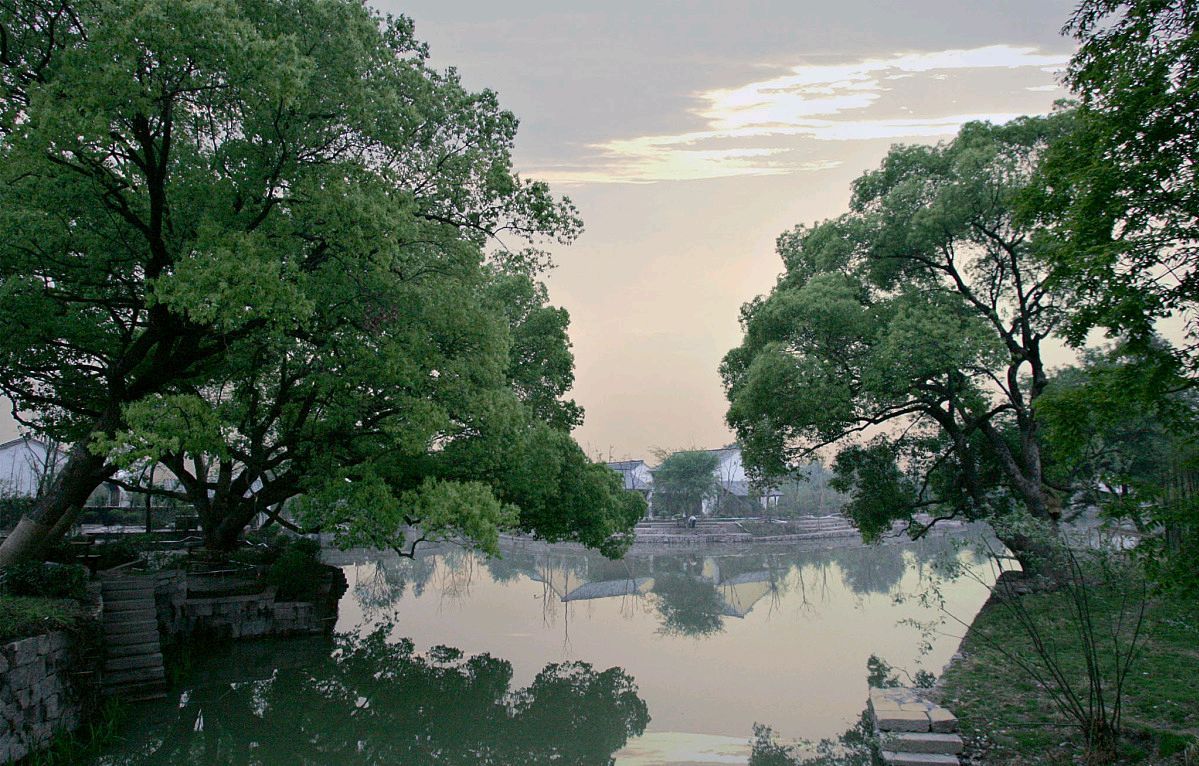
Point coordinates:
pixel 228 225
pixel 684 480
pixel 1125 197
pixel 908 335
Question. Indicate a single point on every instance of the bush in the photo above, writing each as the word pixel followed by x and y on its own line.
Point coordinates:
pixel 296 570
pixel 23 616
pixel 46 580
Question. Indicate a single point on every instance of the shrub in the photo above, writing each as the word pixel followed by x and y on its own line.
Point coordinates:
pixel 46 579
pixel 297 572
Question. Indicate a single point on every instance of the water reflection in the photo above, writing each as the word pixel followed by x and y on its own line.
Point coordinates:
pixel 377 701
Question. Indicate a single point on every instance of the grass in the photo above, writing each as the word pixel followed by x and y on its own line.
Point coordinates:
pixel 88 742
pixel 23 616
pixel 1013 721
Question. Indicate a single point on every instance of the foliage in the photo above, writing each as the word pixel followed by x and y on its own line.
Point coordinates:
pixel 907 334
pixel 1131 452
pixel 684 480
pixel 45 580
pixel 297 573
pixel 250 240
pixel 373 701
pixel 22 616
pixel 88 742
pixel 1122 186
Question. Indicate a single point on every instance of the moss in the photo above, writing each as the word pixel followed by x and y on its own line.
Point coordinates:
pixel 23 616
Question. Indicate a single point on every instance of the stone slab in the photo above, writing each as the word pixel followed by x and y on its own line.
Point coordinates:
pixel 941 720
pixel 901 720
pixel 921 742
pixel 892 758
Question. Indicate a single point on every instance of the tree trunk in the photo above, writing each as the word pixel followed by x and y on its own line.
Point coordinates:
pixel 55 511
pixel 1040 557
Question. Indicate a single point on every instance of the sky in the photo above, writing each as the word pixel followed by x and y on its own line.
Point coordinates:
pixel 691 134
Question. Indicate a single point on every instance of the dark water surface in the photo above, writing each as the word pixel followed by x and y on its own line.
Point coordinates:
pixel 562 657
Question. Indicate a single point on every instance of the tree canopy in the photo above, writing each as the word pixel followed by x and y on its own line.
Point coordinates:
pixel 262 241
pixel 684 480
pixel 1124 198
pixel 908 335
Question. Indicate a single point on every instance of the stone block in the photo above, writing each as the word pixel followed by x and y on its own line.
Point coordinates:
pixel 25 651
pixel 904 742
pixel 941 720
pixel 901 720
pixel 919 759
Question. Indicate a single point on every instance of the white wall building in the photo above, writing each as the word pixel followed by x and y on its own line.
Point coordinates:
pixel 26 464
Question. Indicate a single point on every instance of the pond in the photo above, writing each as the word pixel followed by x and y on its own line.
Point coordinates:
pixel 560 656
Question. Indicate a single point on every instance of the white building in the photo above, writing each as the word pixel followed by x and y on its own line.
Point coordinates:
pixel 734 482
pixel 26 464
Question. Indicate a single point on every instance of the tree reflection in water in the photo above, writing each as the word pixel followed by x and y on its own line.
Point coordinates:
pixel 374 702
pixel 689 606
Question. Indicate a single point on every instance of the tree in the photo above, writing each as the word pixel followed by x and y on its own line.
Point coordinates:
pixel 685 480
pixel 1131 452
pixel 907 334
pixel 228 224
pixel 1124 200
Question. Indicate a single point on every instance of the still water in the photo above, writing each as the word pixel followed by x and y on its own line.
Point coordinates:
pixel 552 656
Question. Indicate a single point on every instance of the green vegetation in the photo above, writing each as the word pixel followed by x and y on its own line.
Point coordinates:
pixel 297 571
pixel 259 243
pixel 22 616
pixel 684 480
pixel 905 313
pixel 45 580
pixel 1015 716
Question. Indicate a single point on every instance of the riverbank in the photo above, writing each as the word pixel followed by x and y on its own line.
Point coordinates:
pixel 1009 719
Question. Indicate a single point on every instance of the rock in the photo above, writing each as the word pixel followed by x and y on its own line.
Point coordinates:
pixel 941 720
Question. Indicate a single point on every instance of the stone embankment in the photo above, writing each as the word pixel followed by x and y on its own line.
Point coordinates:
pixel 716 531
pixel 913 731
pixel 38 697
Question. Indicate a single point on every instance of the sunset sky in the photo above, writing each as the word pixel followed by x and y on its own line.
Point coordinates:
pixel 691 134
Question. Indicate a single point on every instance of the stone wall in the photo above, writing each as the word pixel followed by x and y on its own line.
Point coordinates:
pixel 183 614
pixel 38 698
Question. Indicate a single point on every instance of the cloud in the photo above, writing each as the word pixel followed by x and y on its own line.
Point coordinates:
pixel 777 125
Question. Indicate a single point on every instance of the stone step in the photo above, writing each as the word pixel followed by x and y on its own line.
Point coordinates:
pixel 116 628
pixel 925 742
pixel 134 676
pixel 132 639
pixel 139 692
pixel 131 649
pixel 116 607
pixel 901 720
pixel 140 611
pixel 892 758
pixel 129 663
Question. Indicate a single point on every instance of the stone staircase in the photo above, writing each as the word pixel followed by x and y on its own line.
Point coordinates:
pixel 912 731
pixel 133 668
